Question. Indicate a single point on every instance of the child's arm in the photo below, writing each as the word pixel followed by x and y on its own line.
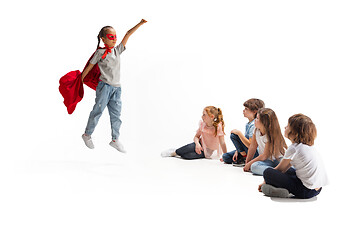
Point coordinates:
pixel 131 31
pixel 284 165
pixel 251 150
pixel 86 71
pixel 245 141
pixel 265 155
pixel 222 144
pixel 198 147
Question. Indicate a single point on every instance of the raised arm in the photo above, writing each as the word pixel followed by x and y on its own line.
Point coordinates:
pixel 131 31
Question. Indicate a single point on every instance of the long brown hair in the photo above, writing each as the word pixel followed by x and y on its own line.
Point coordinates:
pixel 275 139
pixel 218 117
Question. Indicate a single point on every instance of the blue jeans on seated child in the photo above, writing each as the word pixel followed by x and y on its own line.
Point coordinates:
pixel 240 147
pixel 188 152
pixel 259 167
pixel 106 96
pixel 289 181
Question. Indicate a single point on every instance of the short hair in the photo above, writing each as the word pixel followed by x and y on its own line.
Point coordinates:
pixel 302 129
pixel 254 104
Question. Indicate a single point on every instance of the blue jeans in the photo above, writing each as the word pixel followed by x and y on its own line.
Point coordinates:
pixel 240 147
pixel 289 181
pixel 188 152
pixel 259 167
pixel 106 96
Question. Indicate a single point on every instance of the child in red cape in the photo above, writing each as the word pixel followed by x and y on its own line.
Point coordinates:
pixel 71 86
pixel 101 73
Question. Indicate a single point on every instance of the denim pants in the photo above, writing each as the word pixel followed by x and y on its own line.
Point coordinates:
pixel 240 147
pixel 259 167
pixel 106 96
pixel 188 152
pixel 289 181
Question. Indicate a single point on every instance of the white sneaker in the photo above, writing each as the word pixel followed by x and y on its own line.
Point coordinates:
pixel 88 141
pixel 169 153
pixel 118 146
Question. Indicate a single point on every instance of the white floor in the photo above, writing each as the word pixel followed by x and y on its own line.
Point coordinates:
pixel 297 57
pixel 66 191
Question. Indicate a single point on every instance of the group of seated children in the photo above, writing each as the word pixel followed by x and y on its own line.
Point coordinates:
pixel 295 171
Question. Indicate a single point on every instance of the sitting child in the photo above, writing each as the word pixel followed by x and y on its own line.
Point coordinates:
pixel 208 141
pixel 242 141
pixel 307 175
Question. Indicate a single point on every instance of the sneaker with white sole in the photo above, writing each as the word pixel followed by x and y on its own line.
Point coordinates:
pixel 117 145
pixel 169 153
pixel 272 191
pixel 88 141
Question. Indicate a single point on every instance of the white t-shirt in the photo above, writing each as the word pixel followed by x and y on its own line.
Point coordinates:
pixel 308 165
pixel 261 141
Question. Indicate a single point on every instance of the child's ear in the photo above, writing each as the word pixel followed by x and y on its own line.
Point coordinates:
pixel 103 39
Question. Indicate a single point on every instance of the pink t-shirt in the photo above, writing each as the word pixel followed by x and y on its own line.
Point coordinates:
pixel 209 142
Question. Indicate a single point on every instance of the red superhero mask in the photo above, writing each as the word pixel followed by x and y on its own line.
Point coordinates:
pixel 111 36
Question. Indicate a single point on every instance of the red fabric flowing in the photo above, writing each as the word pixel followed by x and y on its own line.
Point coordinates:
pixel 71 86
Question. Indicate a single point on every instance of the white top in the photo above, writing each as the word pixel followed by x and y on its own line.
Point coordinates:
pixel 308 165
pixel 261 141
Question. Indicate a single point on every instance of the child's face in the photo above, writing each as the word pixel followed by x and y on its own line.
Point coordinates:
pixel 207 119
pixel 248 113
pixel 110 38
pixel 287 130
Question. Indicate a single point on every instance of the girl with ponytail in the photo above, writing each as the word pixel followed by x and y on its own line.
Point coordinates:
pixel 208 141
pixel 108 90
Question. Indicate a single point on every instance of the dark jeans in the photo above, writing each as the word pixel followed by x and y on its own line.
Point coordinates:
pixel 240 147
pixel 289 181
pixel 188 152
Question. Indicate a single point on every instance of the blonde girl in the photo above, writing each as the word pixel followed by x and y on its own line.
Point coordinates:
pixel 208 141
pixel 268 140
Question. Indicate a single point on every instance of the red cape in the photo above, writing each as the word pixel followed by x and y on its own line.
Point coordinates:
pixel 71 86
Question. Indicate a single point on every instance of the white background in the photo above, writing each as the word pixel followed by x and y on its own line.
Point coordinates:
pixel 297 56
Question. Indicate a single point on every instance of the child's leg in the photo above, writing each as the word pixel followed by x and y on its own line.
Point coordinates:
pixel 289 181
pixel 227 157
pixel 239 145
pixel 259 167
pixel 279 179
pixel 101 101
pixel 188 152
pixel 114 107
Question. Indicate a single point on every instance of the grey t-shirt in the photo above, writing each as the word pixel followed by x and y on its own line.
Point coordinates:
pixel 110 66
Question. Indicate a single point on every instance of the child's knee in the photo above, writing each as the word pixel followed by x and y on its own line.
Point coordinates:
pixel 227 158
pixel 257 169
pixel 267 174
pixel 233 136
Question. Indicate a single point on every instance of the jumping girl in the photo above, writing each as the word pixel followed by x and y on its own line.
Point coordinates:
pixel 108 90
